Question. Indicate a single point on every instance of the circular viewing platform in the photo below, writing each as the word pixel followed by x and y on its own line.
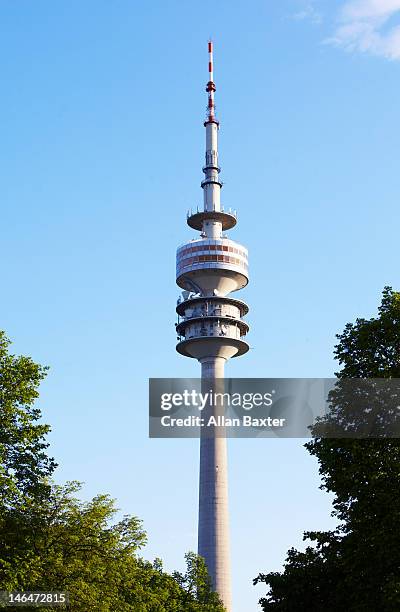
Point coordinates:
pixel 203 347
pixel 216 305
pixel 227 219
pixel 212 267
pixel 211 326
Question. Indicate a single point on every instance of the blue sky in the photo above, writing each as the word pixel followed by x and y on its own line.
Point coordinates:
pixel 102 147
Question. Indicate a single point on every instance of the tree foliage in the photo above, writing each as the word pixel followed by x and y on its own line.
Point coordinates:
pixel 51 540
pixel 357 566
pixel 24 464
pixel 77 547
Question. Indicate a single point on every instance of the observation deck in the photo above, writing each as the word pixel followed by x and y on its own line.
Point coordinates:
pixel 212 267
pixel 212 305
pixel 228 219
pixel 211 326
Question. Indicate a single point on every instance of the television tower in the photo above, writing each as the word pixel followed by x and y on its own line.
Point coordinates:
pixel 210 329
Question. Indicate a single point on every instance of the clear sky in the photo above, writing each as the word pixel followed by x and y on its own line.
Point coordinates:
pixel 101 152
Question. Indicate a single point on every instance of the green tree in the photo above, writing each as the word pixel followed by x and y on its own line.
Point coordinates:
pixel 25 467
pixel 196 586
pixel 50 540
pixel 357 566
pixel 77 547
pixel 24 464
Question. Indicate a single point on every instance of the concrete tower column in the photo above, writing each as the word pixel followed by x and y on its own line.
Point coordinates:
pixel 211 329
pixel 213 531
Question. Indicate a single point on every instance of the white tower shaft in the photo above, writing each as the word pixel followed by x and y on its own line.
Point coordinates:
pixel 212 184
pixel 213 536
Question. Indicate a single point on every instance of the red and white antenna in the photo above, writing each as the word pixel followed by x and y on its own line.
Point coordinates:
pixel 210 85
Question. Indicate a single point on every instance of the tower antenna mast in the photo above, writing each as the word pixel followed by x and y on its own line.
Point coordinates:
pixel 211 85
